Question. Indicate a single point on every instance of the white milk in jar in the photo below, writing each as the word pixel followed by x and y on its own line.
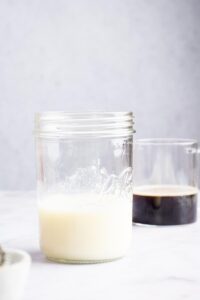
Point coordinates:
pixel 85 227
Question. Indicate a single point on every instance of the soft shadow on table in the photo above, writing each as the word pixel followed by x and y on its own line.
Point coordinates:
pixel 38 257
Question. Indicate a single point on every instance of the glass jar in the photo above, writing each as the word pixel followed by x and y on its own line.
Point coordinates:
pixel 84 184
pixel 165 181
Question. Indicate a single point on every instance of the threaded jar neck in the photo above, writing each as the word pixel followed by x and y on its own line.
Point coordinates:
pixel 92 124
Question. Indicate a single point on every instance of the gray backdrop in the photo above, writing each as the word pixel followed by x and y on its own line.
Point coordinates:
pixel 114 55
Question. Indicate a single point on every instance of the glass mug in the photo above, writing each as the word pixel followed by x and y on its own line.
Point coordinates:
pixel 165 181
pixel 84 184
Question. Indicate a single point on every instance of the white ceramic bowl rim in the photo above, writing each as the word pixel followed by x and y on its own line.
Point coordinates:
pixel 15 257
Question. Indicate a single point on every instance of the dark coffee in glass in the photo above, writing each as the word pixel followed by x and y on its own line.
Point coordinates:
pixel 165 205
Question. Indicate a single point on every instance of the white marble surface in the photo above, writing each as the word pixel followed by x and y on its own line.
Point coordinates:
pixel 163 262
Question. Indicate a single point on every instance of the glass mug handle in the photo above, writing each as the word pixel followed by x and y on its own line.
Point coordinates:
pixel 193 151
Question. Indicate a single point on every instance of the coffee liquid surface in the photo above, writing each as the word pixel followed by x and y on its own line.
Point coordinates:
pixel 165 204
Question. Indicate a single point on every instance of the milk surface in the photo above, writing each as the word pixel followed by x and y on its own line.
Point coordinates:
pixel 85 227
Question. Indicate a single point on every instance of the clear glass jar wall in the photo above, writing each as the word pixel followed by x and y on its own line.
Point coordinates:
pixel 84 178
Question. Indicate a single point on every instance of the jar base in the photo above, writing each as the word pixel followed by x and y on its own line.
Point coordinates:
pixel 80 262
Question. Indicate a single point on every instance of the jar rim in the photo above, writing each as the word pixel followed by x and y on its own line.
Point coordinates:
pixel 61 123
pixel 82 115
